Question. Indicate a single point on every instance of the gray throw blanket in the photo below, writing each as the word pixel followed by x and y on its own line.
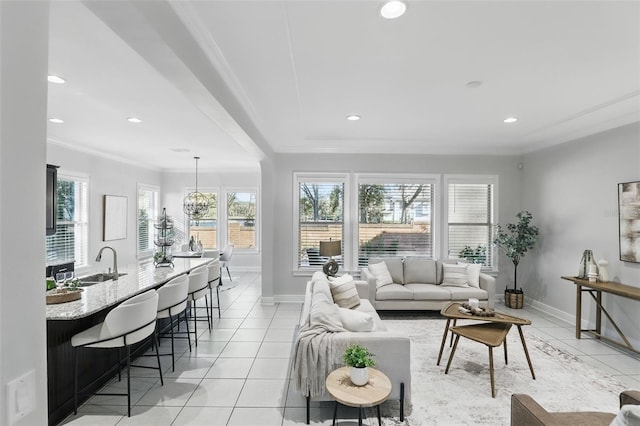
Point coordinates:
pixel 317 351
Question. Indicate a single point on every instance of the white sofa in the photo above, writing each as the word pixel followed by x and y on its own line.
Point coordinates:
pixel 417 286
pixel 391 349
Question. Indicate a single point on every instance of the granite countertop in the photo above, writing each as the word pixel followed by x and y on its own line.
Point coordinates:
pixel 105 294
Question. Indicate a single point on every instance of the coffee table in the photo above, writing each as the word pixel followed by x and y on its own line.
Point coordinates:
pixel 492 332
pixel 374 393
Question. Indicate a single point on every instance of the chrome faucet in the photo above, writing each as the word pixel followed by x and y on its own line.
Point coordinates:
pixel 115 260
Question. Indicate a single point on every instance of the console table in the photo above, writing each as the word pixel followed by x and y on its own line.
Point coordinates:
pixel 595 289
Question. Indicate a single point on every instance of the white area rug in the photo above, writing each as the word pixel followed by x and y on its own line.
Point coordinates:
pixel 463 396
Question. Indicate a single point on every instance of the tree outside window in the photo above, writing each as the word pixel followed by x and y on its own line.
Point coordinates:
pixel 321 218
pixel 394 220
pixel 206 229
pixel 241 219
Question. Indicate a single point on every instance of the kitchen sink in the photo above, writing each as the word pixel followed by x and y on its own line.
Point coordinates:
pixel 98 278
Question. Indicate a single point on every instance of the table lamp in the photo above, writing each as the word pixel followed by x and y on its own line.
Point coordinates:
pixel 330 249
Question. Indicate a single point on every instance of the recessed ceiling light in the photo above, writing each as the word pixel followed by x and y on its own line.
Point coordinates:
pixel 473 84
pixel 55 79
pixel 134 120
pixel 393 9
pixel 510 120
pixel 353 117
pixel 56 120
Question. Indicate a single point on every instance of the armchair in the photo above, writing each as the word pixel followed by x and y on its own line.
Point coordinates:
pixel 525 411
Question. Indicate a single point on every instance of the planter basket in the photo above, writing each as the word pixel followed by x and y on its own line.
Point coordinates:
pixel 514 300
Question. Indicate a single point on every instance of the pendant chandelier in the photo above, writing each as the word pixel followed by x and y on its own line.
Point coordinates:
pixel 195 204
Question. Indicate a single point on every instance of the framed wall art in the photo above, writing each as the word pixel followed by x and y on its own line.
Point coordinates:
pixel 115 218
pixel 629 221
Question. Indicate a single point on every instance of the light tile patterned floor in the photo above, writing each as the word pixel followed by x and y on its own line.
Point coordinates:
pixel 239 373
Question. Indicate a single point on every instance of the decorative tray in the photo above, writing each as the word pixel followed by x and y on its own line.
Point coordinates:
pixel 465 308
pixel 63 295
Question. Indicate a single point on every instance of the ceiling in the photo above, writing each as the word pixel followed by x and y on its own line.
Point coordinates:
pixel 235 81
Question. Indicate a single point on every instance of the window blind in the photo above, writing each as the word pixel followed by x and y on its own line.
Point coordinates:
pixel 394 219
pixel 71 240
pixel 470 222
pixel 147 216
pixel 320 218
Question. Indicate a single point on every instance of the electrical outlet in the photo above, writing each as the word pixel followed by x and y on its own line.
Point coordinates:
pixel 21 397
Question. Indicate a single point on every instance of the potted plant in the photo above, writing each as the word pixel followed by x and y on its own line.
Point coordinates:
pixel 358 358
pixel 477 255
pixel 515 241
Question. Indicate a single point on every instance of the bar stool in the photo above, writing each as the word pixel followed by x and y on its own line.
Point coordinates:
pixel 198 286
pixel 173 301
pixel 225 258
pixel 215 280
pixel 130 322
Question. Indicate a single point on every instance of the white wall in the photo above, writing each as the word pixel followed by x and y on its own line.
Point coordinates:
pixel 176 185
pixel 571 189
pixel 286 286
pixel 24 30
pixel 106 177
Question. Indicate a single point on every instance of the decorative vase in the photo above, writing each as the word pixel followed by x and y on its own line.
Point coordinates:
pixel 604 273
pixel 359 375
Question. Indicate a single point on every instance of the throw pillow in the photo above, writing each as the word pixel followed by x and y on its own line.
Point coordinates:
pixel 454 275
pixel 325 314
pixel 381 272
pixel 344 291
pixel 473 273
pixel 355 320
pixel 629 415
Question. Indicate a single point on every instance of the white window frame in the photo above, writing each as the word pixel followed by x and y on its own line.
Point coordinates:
pixel 84 246
pixel 347 242
pixel 225 213
pixel 187 221
pixel 469 179
pixel 143 254
pixel 396 178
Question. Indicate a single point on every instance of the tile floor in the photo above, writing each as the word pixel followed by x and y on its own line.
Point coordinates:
pixel 239 375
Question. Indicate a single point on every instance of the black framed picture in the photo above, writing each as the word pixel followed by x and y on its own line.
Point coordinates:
pixel 629 221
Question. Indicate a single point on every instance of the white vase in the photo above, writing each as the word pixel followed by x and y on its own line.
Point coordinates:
pixel 359 376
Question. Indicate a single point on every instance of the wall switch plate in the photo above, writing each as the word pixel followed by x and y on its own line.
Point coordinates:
pixel 21 397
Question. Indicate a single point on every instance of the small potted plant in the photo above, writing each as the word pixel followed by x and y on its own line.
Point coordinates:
pixel 515 241
pixel 358 358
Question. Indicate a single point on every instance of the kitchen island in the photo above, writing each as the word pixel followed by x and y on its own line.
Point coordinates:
pixel 66 319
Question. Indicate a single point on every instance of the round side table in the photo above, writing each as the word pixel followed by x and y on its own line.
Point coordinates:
pixel 374 393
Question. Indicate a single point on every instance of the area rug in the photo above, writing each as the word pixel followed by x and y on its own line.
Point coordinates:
pixel 463 396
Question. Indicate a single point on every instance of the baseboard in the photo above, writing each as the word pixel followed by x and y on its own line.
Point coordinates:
pixel 266 301
pixel 283 298
pixel 609 332
pixel 289 298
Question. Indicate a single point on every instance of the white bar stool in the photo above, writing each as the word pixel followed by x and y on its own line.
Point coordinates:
pixel 130 322
pixel 215 280
pixel 173 301
pixel 198 286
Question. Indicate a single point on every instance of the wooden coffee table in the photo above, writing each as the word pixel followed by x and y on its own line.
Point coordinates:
pixel 374 393
pixel 492 332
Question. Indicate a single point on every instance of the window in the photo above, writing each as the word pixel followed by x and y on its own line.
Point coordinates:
pixel 147 215
pixel 206 229
pixel 71 241
pixel 470 217
pixel 320 213
pixel 241 219
pixel 395 219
